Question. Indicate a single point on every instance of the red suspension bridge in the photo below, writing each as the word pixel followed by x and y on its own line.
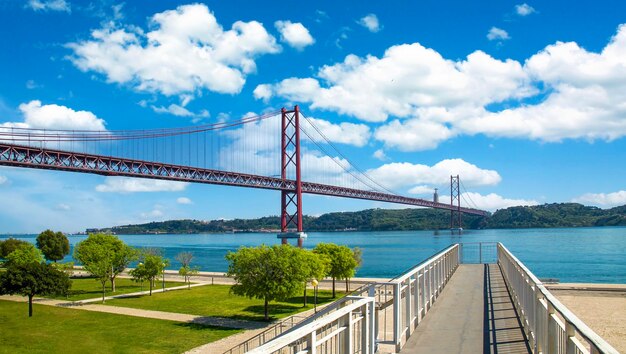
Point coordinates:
pixel 254 152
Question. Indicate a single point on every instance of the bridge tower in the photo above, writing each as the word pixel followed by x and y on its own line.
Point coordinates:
pixel 291 199
pixel 455 204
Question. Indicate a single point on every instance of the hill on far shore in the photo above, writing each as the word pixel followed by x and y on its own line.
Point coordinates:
pixel 538 216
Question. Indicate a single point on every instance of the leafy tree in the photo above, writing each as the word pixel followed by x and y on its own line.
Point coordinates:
pixel 54 245
pixel 312 266
pixel 151 266
pixel 118 253
pixel 357 253
pixel 186 271
pixel 24 254
pixel 9 245
pixel 97 258
pixel 268 273
pixel 33 279
pixel 342 261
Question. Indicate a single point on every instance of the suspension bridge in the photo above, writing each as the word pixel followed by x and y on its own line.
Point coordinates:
pixel 254 152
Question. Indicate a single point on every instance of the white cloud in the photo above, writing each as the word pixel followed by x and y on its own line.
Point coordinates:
pixel 52 116
pixel 422 190
pixel 63 207
pixel 294 34
pixel 492 201
pixel 605 200
pixel 498 34
pixel 31 85
pixel 184 200
pixel 186 51
pixel 408 77
pixel 49 5
pixel 3 180
pixel 405 174
pixel 155 213
pixel 344 133
pixel 576 94
pixel 524 9
pixel 263 92
pixel 179 111
pixel 132 185
pixel 380 155
pixel 370 22
pixel 413 134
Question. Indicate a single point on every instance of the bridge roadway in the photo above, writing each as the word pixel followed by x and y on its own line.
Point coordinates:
pixel 474 314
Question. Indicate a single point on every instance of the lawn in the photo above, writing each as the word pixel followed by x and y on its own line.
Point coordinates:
pixel 63 330
pixel 88 288
pixel 216 300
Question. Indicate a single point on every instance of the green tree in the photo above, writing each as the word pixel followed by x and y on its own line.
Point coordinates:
pixel 150 267
pixel 342 261
pixel 33 279
pixel 9 245
pixel 97 259
pixel 119 255
pixel 25 253
pixel 186 271
pixel 267 273
pixel 54 245
pixel 312 266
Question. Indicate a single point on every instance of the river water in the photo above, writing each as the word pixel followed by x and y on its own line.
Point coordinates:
pixel 585 255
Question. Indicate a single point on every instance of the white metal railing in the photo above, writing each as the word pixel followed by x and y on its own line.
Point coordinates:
pixel 549 325
pixel 346 328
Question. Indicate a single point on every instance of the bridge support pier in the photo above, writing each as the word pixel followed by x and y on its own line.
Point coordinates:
pixel 455 210
pixel 291 200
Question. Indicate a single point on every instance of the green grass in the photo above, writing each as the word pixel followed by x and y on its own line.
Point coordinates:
pixel 63 330
pixel 216 300
pixel 89 288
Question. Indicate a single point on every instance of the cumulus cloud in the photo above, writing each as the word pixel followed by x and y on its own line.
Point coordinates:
pixel 185 51
pixel 154 214
pixel 406 78
pixel 49 5
pixel 604 200
pixel 184 200
pixel 132 185
pixel 294 34
pixel 263 92
pixel 524 9
pixel 576 94
pixel 422 190
pixel 344 133
pixel 493 201
pixel 380 155
pixel 3 180
pixel 179 111
pixel 52 116
pixel 370 22
pixel 404 174
pixel 497 34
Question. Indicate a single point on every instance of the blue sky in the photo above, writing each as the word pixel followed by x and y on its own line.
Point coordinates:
pixel 525 100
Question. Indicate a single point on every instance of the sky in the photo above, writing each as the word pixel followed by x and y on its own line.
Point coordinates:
pixel 524 100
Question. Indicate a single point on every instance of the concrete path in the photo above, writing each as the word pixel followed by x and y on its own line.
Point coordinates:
pixel 474 314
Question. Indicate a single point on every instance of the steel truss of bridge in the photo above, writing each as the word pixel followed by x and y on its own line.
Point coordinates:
pixel 41 158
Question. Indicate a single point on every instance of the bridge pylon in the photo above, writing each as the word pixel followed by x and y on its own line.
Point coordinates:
pixel 291 199
pixel 455 210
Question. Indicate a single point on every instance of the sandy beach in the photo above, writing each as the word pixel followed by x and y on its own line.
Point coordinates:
pixel 601 306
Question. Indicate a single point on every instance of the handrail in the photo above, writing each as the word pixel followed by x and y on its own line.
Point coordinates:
pixel 423 264
pixel 538 309
pixel 309 329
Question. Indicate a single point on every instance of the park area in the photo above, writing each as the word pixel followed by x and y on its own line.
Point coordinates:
pixel 51 307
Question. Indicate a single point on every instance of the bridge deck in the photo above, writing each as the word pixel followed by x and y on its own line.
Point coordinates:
pixel 473 315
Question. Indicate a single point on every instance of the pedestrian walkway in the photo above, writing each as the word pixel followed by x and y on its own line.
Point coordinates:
pixel 475 314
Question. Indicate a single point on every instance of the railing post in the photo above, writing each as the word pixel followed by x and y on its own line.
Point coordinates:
pixel 396 315
pixel 407 310
pixel 570 333
pixel 551 330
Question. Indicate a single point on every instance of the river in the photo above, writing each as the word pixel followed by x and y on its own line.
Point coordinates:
pixel 584 255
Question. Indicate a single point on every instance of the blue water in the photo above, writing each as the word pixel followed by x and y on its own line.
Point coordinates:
pixel 589 255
